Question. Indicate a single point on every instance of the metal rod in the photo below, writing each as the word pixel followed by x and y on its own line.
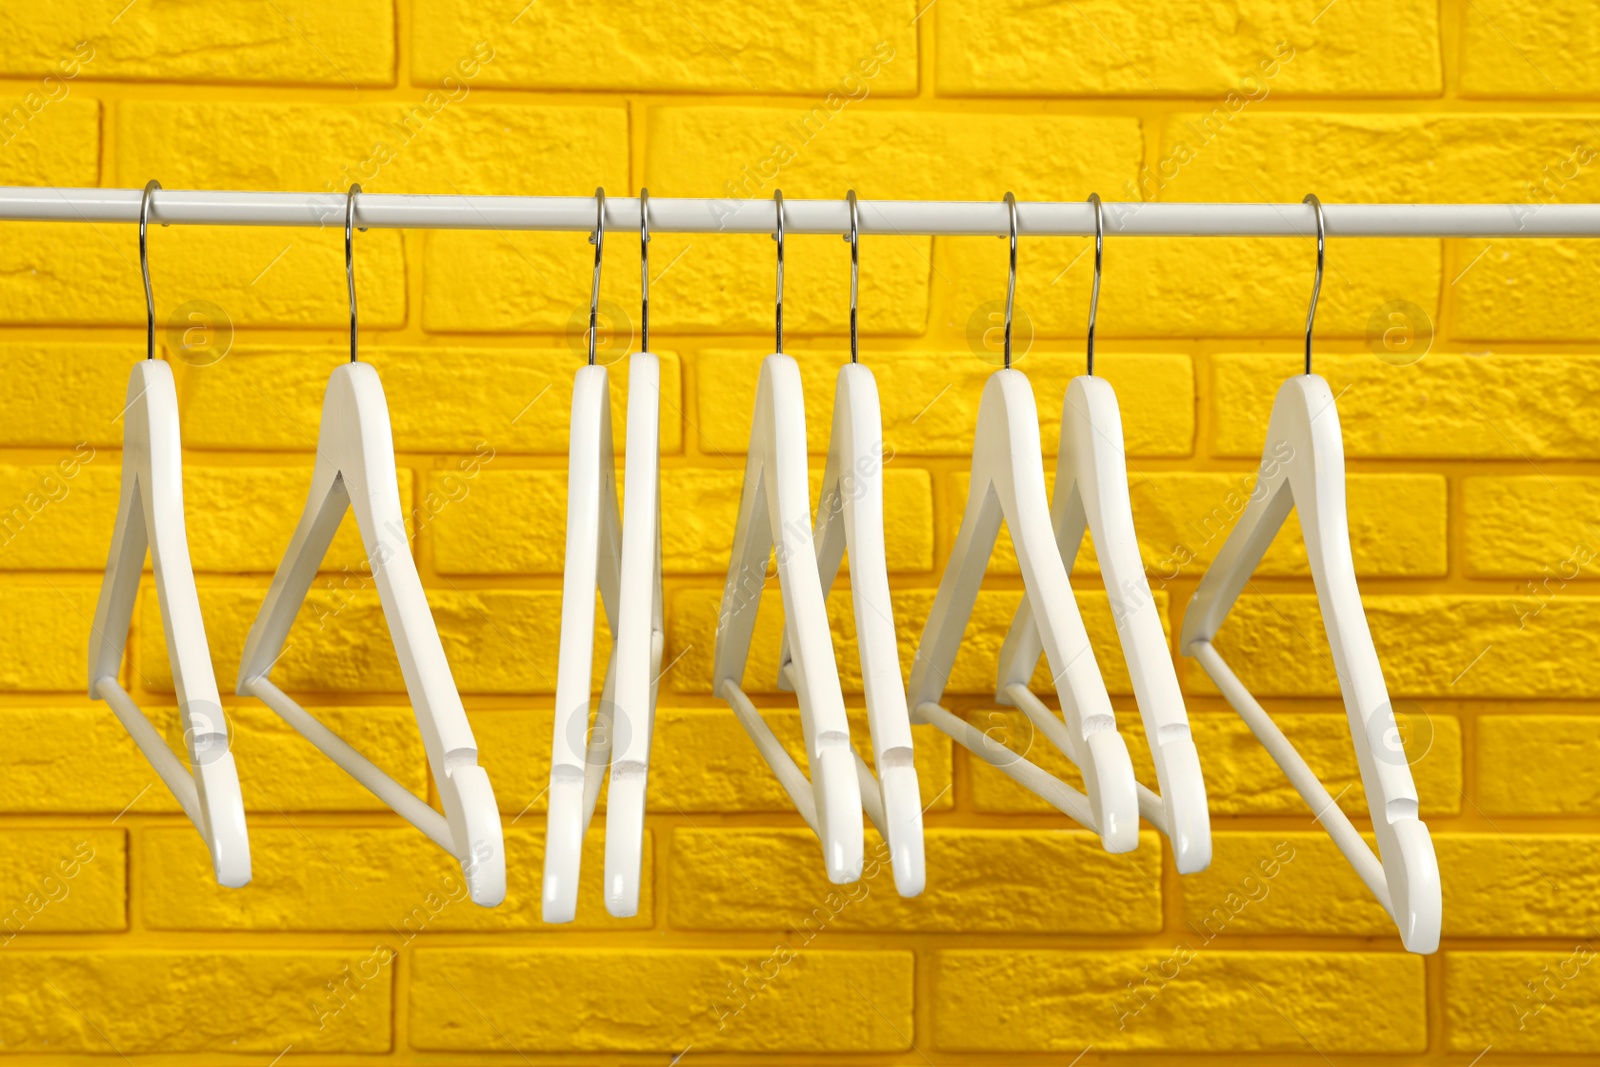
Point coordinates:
pixel 895 217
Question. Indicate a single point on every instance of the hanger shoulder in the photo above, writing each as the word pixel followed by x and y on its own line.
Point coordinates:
pixel 1303 469
pixel 775 512
pixel 1288 445
pixel 639 639
pixel 150 516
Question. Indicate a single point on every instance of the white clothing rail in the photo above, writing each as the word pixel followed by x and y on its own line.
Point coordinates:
pixel 897 217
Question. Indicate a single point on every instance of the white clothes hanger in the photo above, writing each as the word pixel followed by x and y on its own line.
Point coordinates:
pixel 355 470
pixel 1310 479
pixel 150 515
pixel 775 512
pixel 1091 492
pixel 625 563
pixel 1008 483
pixel 850 513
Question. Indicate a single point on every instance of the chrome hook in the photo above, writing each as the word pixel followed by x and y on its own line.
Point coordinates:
pixel 350 259
pixel 144 268
pixel 598 239
pixel 644 270
pixel 1316 287
pixel 1011 284
pixel 778 235
pixel 1094 292
pixel 854 237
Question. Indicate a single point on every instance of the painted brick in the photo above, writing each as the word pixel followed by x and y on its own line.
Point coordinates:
pixel 1522 1001
pixel 476 402
pixel 1511 50
pixel 692 623
pixel 259 1001
pixel 59 515
pixel 240 519
pixel 396 882
pixel 1257 50
pixel 497 640
pixel 979 881
pixel 51 779
pixel 1241 778
pixel 1183 519
pixel 391 147
pixel 1455 407
pixel 504 522
pixel 640 1000
pixel 44 632
pixel 1443 646
pixel 930 402
pixel 49 138
pixel 347 43
pixel 701 46
pixel 1519 885
pixel 1537 281
pixel 1038 1000
pixel 61 395
pixel 1514 757
pixel 280 771
pixel 63 273
pixel 701 760
pixel 62 880
pixel 1540 528
pixel 1372 158
pixel 1274 882
pixel 1168 286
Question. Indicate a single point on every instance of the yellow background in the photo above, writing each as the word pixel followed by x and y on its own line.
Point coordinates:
pixel 1474 488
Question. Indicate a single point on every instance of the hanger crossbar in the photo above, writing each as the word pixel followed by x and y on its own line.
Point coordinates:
pixel 942 218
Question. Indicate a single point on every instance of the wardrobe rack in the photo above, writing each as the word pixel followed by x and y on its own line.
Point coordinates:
pixel 893 217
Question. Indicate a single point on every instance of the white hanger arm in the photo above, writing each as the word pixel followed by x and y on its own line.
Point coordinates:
pixel 355 466
pixel 1091 492
pixel 578 755
pixel 641 637
pixel 775 511
pixel 1303 469
pixel 150 515
pixel 1008 483
pixel 850 514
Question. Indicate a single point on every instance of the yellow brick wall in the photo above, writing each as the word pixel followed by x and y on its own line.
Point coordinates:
pixel 1474 489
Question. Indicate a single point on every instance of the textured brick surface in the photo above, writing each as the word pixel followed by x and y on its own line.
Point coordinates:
pixel 661 1001
pixel 1257 50
pixel 1228 1002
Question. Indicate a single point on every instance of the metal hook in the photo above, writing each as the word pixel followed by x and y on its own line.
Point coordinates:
pixel 350 259
pixel 598 239
pixel 777 207
pixel 144 268
pixel 1011 284
pixel 1316 287
pixel 1094 293
pixel 644 270
pixel 854 237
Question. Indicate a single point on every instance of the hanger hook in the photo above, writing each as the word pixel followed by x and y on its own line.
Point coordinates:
pixel 644 270
pixel 144 268
pixel 1094 292
pixel 1316 286
pixel 350 259
pixel 1011 283
pixel 777 235
pixel 598 239
pixel 854 237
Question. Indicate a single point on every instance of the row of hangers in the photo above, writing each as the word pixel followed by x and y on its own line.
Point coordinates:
pixel 355 469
